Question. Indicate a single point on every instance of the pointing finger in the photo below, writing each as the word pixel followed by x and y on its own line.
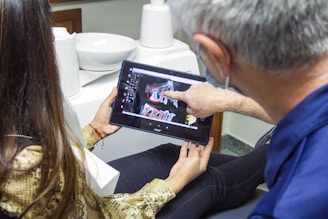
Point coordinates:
pixel 178 95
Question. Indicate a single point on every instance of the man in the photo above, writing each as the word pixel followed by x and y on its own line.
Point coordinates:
pixel 274 51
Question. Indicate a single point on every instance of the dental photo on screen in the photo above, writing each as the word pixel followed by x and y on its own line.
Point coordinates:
pixel 142 104
pixel 145 98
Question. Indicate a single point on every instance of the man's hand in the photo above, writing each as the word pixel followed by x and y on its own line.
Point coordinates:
pixel 200 98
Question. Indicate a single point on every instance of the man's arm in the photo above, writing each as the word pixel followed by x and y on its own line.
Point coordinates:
pixel 204 99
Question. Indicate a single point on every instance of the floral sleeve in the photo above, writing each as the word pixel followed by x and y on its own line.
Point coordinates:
pixel 21 186
pixel 143 204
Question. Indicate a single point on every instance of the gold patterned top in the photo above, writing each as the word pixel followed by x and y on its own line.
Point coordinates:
pixel 21 185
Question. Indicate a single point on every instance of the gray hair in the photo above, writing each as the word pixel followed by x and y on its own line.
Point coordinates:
pixel 271 35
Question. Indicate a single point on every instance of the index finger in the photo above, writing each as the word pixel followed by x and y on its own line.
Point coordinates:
pixel 178 95
pixel 206 152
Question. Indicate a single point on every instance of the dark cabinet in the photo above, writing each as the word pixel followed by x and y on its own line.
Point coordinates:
pixel 71 19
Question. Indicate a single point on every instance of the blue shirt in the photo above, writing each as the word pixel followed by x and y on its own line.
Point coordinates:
pixel 297 165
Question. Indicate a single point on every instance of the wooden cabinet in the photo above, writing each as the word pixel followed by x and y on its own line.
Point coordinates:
pixel 216 131
pixel 71 19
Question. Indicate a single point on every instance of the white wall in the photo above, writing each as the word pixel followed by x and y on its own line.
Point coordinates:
pixel 109 16
pixel 244 128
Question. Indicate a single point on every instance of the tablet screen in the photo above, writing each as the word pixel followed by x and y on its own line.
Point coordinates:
pixel 141 103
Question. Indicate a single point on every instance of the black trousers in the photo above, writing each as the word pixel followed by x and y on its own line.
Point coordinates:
pixel 227 183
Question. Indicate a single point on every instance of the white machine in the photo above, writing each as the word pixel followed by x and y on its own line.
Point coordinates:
pixel 155 47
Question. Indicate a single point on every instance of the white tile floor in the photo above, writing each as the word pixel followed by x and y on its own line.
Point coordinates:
pixel 228 152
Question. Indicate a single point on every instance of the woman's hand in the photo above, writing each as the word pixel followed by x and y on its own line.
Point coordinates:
pixel 191 163
pixel 101 119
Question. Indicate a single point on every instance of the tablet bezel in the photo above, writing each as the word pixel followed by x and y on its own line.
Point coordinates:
pixel 198 132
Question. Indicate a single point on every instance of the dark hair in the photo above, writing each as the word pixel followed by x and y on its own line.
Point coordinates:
pixel 31 98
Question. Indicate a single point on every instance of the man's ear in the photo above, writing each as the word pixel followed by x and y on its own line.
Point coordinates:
pixel 217 52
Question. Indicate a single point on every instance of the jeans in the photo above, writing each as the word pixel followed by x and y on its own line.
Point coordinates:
pixel 228 182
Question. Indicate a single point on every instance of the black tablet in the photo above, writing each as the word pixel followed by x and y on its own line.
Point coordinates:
pixel 141 103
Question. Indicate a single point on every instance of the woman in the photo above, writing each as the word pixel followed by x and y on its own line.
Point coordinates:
pixel 40 176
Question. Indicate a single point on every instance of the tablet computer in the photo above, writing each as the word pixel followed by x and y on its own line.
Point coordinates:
pixel 141 103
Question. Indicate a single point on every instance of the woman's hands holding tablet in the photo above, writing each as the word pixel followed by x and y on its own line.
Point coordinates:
pixel 99 126
pixel 193 158
pixel 192 162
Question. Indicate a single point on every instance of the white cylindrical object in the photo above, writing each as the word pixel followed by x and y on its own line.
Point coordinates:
pixel 157 2
pixel 67 61
pixel 156 26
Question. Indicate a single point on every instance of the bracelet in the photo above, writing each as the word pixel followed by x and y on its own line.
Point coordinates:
pixel 99 135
